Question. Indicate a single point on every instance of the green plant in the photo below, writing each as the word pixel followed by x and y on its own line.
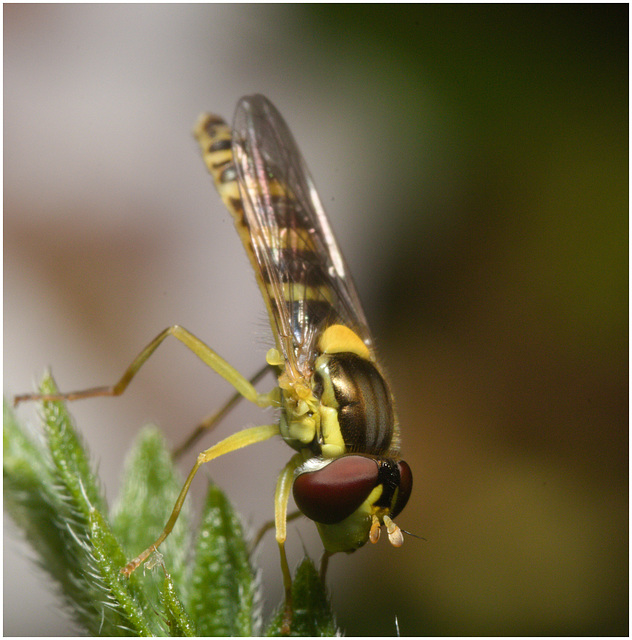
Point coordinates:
pixel 208 585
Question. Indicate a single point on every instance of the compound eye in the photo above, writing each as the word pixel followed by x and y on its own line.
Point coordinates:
pixel 333 493
pixel 405 487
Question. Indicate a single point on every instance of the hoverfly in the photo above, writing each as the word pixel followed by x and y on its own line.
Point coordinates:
pixel 336 408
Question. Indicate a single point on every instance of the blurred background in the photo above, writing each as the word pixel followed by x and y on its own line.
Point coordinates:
pixel 474 164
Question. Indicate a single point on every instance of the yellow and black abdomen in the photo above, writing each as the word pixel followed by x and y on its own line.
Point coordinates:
pixel 291 272
pixel 353 385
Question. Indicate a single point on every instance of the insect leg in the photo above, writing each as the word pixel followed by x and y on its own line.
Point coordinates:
pixel 324 563
pixel 270 524
pixel 212 419
pixel 232 443
pixel 281 497
pixel 201 350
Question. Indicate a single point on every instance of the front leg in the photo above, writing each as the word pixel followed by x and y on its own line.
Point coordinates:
pixel 281 497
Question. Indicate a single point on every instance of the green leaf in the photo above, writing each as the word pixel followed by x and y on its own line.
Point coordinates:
pixel 177 618
pixel 222 584
pixel 59 503
pixel 150 488
pixel 129 607
pixel 29 497
pixel 72 466
pixel 53 496
pixel 311 609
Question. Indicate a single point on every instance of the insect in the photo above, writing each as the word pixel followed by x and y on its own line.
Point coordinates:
pixel 336 408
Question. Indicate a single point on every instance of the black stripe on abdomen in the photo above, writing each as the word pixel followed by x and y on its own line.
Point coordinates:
pixel 365 408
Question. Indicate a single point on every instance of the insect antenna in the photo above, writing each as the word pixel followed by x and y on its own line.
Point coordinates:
pixel 414 535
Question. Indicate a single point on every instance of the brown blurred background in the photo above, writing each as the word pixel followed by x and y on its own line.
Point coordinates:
pixel 474 163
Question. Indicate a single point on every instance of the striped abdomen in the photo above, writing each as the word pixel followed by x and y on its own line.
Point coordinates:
pixel 278 240
pixel 355 388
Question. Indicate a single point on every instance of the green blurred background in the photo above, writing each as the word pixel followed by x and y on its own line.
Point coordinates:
pixel 474 163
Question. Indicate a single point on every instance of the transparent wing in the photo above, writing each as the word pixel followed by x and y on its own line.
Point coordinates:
pixel 304 274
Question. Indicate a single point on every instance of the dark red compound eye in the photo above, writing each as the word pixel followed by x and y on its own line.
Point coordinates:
pixel 333 493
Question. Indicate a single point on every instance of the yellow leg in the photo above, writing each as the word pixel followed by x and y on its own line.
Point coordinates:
pixel 270 524
pixel 281 497
pixel 212 419
pixel 232 443
pixel 201 350
pixel 324 563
